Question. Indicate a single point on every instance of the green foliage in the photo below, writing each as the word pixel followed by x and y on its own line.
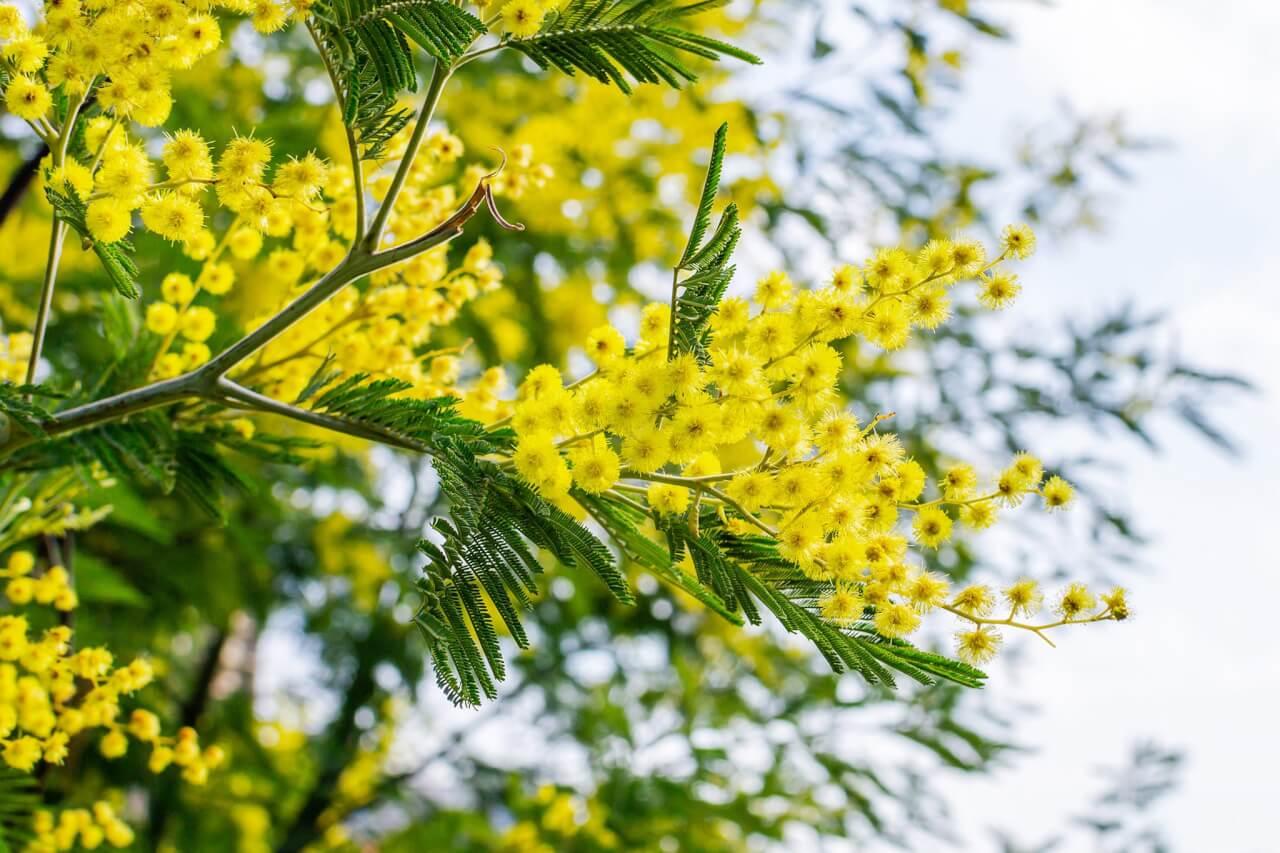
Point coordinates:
pixel 19 799
pixel 698 295
pixel 366 44
pixel 425 424
pixel 380 30
pixel 611 39
pixel 17 407
pixel 152 451
pixel 622 521
pixel 486 553
pixel 493 520
pixel 483 556
pixel 115 257
pixel 710 188
pixel 140 449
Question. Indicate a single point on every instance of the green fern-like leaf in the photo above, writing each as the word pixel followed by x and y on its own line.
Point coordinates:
pixel 442 29
pixel 16 405
pixel 203 475
pixel 698 294
pixel 367 44
pixel 115 257
pixel 710 188
pixel 381 404
pixel 141 448
pixel 486 558
pixel 149 451
pixel 616 41
pixel 19 800
pixel 621 522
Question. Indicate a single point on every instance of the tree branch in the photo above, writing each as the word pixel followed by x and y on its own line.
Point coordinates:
pixel 353 147
pixel 164 798
pixel 57 237
pixel 237 396
pixel 435 89
pixel 342 743
pixel 204 381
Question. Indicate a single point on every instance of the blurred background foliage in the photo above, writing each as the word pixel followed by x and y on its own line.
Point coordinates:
pixel 284 629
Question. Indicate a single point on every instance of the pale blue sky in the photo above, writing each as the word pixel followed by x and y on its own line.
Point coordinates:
pixel 1196 235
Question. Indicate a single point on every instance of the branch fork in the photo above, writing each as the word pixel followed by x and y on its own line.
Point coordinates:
pixel 209 382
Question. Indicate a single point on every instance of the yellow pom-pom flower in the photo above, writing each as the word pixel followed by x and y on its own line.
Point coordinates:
pixel 108 220
pixel 27 99
pixel 161 318
pixel 522 18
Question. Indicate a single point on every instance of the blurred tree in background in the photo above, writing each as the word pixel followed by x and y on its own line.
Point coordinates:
pixel 283 629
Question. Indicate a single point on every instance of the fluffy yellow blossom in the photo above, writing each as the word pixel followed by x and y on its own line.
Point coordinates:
pixel 1057 493
pixel 108 220
pixel 26 53
pixel 522 18
pixel 974 600
pixel 186 157
pixel 1018 241
pixel 595 465
pixel 27 98
pixel 896 619
pixel 829 492
pixel 606 345
pixel 932 527
pixel 161 318
pixel 843 604
pixel 999 289
pixel 667 499
pixel 1024 598
pixel 197 323
pixel 177 289
pixel 11 21
pixel 173 216
pixel 1075 600
pixel 268 16
pixel 51 692
pixel 978 645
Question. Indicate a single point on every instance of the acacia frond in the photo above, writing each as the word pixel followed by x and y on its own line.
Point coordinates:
pixel 367 45
pixel 698 295
pixel 615 41
pixel 487 544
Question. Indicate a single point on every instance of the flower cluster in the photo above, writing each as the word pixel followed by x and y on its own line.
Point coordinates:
pixel 288 223
pixel 51 693
pixel 386 330
pixel 1075 604
pixel 757 432
pixel 139 44
pixel 88 828
pixel 282 223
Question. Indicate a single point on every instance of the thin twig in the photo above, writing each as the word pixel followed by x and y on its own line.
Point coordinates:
pixel 57 237
pixel 353 147
pixel 240 397
pixel 435 89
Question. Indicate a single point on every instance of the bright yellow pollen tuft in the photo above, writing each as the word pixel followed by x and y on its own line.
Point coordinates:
pixel 522 18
